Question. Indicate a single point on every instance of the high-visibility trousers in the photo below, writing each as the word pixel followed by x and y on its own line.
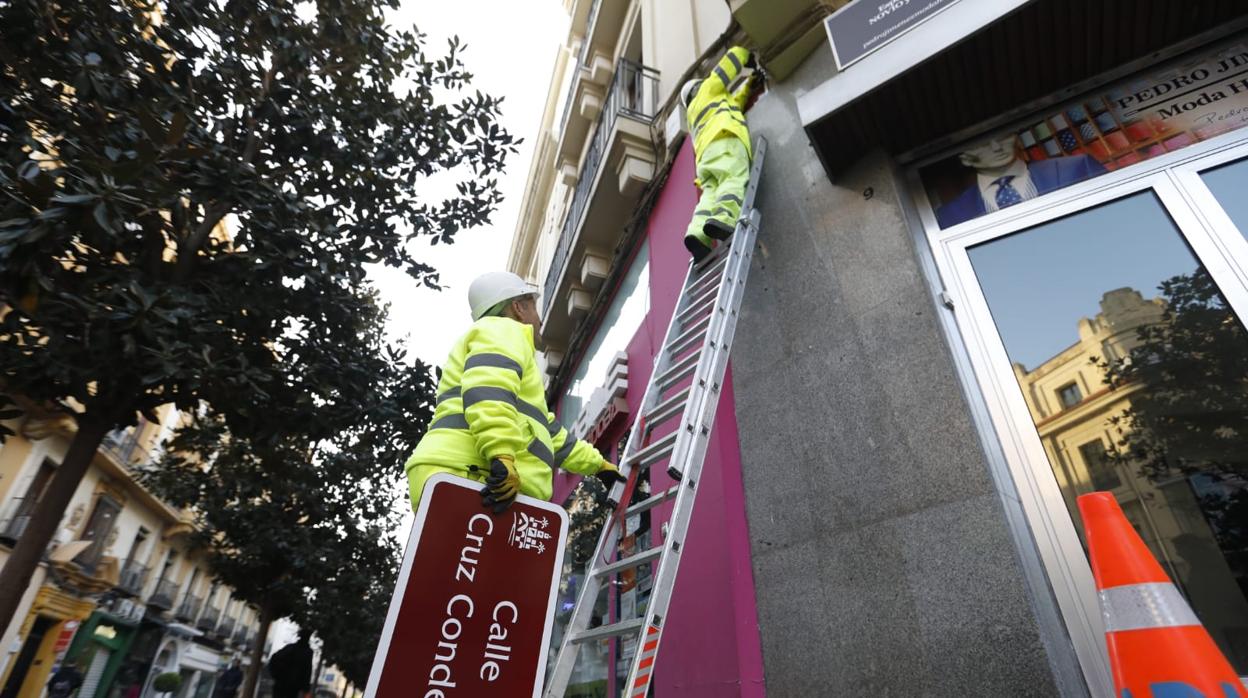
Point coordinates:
pixel 724 170
pixel 418 475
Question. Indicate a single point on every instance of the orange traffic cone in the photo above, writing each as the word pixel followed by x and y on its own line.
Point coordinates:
pixel 1157 646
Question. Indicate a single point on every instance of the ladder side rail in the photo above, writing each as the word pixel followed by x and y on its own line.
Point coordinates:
pixel 565 660
pixel 721 333
pixel 653 395
pixel 682 511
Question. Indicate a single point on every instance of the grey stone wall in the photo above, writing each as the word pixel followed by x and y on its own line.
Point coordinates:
pixel 882 559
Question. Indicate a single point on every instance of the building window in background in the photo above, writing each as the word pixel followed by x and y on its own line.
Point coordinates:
pixel 99 528
pixel 1069 395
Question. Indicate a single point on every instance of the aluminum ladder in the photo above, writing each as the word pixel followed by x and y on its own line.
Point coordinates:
pixel 686 382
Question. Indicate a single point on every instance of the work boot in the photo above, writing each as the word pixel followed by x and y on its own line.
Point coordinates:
pixel 717 230
pixel 697 248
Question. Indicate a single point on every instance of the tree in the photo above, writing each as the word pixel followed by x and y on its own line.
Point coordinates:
pixel 348 610
pixel 132 130
pixel 290 523
pixel 1192 413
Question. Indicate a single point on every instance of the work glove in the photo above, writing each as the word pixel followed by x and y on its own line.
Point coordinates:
pixel 501 485
pixel 609 475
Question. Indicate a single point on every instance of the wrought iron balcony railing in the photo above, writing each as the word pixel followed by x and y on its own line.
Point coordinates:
pixel 162 598
pixel 580 63
pixel 189 610
pixel 633 94
pixel 133 577
pixel 208 620
pixel 121 444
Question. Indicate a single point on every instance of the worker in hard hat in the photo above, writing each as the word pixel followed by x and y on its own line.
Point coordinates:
pixel 715 111
pixel 491 423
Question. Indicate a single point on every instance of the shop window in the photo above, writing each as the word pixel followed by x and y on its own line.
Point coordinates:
pixel 1228 183
pixel 1069 395
pixel 1175 400
pixel 23 507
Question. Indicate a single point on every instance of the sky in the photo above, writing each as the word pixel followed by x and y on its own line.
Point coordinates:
pixel 1041 281
pixel 511 51
pixel 511 47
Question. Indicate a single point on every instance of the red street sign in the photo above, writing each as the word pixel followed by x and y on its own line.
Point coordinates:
pixel 472 610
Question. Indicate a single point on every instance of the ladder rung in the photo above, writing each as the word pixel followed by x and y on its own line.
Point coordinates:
pixel 714 263
pixel 689 337
pixel 630 562
pixel 710 282
pixel 679 371
pixel 709 277
pixel 654 452
pixel 720 252
pixel 699 306
pixel 652 502
pixel 667 409
pixel 624 627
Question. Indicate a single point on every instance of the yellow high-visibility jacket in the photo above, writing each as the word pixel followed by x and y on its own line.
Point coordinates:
pixel 714 112
pixel 491 403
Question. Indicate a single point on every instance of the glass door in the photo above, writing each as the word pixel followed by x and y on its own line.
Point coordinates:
pixel 1107 331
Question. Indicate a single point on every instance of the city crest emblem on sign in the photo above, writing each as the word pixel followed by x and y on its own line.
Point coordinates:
pixel 529 532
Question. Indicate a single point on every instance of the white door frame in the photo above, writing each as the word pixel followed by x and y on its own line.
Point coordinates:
pixel 1174 178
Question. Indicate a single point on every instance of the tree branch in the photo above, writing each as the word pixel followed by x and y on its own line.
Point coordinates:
pixel 213 213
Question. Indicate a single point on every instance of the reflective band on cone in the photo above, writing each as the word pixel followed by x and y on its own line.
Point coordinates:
pixel 1157 646
pixel 1141 606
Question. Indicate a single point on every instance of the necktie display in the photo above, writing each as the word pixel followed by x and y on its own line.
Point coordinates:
pixel 1006 195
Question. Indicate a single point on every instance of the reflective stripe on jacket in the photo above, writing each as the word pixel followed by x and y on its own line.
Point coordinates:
pixel 491 402
pixel 714 112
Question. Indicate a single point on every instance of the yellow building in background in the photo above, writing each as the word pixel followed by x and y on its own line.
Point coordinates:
pixel 119 592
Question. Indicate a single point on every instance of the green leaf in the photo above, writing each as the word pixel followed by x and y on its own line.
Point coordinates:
pixel 100 213
pixel 73 199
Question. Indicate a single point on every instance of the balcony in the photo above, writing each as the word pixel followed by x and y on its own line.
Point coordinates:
pixel 226 628
pixel 591 73
pixel 618 163
pixel 13 526
pixel 209 619
pixel 133 578
pixel 121 445
pixel 162 598
pixel 189 609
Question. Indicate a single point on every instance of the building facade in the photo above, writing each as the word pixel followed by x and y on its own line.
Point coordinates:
pixel 1002 262
pixel 120 592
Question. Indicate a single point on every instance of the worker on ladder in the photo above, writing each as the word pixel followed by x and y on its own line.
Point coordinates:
pixel 491 423
pixel 715 111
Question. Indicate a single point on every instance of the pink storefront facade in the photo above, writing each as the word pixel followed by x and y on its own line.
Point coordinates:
pixel 711 645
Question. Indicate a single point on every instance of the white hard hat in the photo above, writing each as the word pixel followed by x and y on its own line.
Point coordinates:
pixel 687 91
pixel 488 290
